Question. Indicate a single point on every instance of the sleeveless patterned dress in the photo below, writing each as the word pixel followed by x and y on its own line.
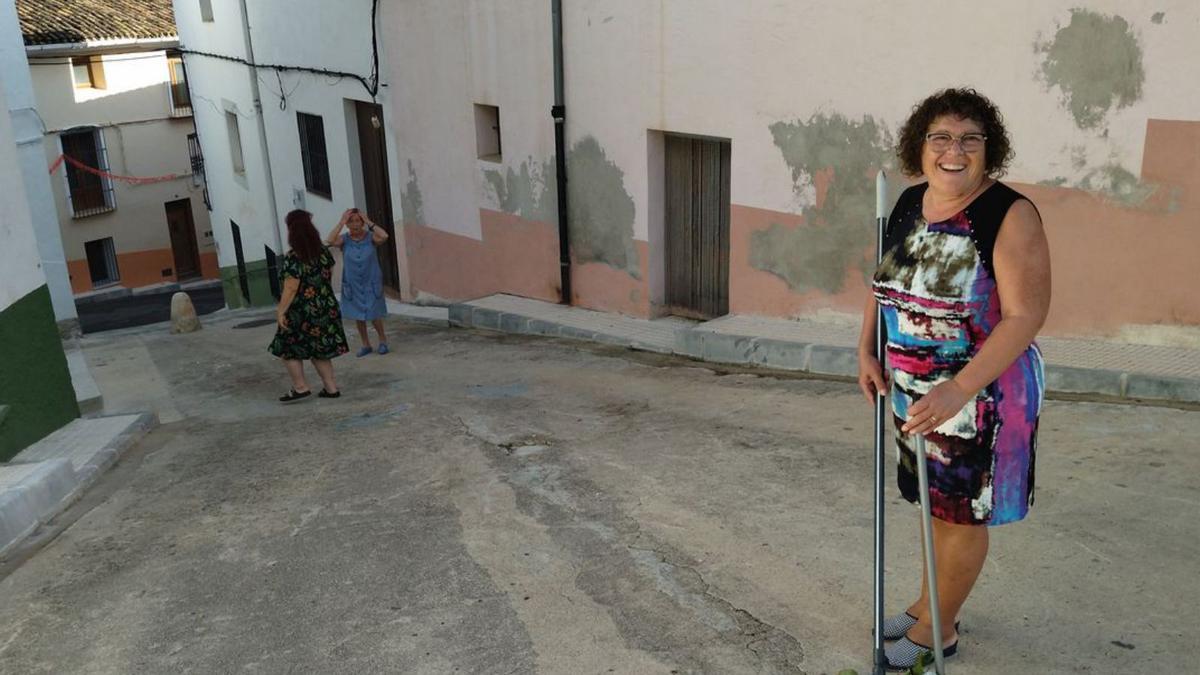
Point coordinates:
pixel 937 289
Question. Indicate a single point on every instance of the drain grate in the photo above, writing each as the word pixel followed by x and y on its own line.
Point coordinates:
pixel 255 323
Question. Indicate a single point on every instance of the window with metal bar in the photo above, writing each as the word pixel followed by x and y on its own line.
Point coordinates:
pixel 199 177
pixel 181 100
pixel 312 153
pixel 89 191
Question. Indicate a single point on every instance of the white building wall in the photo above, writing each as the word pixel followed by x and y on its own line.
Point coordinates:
pixel 220 87
pixel 334 38
pixel 808 76
pixel 320 35
pixel 27 134
pixel 731 69
pixel 19 258
pixel 143 137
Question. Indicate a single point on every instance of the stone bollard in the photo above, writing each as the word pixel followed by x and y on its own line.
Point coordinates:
pixel 183 314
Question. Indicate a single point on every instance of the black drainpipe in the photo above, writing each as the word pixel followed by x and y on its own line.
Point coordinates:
pixel 559 112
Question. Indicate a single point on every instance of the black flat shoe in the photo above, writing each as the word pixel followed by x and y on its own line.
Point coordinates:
pixel 293 396
pixel 326 394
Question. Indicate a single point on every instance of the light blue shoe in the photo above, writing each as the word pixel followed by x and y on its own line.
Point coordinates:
pixel 383 348
pixel 364 351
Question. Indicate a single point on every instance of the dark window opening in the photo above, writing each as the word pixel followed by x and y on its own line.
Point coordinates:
pixel 487 132
pixel 102 261
pixel 312 152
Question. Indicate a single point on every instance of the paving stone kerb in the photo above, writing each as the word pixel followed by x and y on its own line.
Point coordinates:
pixel 31 494
pixel 699 342
pixel 48 476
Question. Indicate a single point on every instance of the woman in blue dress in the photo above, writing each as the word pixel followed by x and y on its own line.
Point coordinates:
pixel 362 278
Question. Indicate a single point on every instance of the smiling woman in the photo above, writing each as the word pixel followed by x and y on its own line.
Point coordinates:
pixel 964 287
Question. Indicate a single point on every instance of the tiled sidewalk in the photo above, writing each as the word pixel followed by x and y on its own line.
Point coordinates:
pixel 827 346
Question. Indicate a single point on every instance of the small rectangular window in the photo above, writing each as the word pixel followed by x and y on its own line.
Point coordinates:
pixel 88 72
pixel 312 153
pixel 102 261
pixel 89 188
pixel 181 100
pixel 235 143
pixel 487 132
pixel 206 10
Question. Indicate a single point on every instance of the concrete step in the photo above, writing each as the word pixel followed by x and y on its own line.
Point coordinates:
pixel 32 494
pixel 87 394
pixel 1118 371
pixel 49 475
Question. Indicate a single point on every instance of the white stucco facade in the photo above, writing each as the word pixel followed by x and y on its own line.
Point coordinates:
pixel 26 128
pixel 144 135
pixel 1096 97
pixel 308 34
pixel 19 257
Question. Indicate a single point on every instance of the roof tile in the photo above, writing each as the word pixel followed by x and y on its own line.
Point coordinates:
pixel 46 22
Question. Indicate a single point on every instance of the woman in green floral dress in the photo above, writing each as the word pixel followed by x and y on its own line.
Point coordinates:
pixel 309 316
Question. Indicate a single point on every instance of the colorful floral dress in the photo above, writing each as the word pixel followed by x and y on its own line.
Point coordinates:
pixel 937 289
pixel 314 318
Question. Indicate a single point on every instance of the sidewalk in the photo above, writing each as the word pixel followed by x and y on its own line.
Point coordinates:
pixel 826 346
pixel 48 476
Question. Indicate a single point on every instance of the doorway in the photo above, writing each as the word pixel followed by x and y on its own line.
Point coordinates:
pixel 183 239
pixel 376 185
pixel 696 226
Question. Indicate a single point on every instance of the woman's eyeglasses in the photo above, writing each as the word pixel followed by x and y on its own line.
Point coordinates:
pixel 939 141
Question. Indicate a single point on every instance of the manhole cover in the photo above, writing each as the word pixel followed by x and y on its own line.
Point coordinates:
pixel 255 323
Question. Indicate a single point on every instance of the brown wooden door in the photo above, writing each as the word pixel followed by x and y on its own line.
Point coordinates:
pixel 373 150
pixel 697 226
pixel 183 239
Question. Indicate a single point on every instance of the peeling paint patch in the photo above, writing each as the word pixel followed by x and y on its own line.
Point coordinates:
pixel 844 154
pixel 1117 183
pixel 1057 181
pixel 411 205
pixel 1097 64
pixel 1157 17
pixel 527 192
pixel 601 210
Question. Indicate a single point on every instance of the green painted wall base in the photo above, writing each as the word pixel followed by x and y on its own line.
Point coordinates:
pixel 35 382
pixel 259 286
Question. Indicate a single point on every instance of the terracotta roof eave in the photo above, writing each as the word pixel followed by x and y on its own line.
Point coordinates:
pixel 103 46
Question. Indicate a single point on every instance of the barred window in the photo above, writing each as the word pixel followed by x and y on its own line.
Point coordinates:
pixel 88 188
pixel 312 152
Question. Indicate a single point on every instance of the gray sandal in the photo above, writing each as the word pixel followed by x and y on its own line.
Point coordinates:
pixel 904 653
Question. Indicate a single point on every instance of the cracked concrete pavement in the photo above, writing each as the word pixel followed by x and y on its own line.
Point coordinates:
pixel 483 503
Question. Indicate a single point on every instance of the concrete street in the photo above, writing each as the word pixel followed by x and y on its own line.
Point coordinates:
pixel 487 503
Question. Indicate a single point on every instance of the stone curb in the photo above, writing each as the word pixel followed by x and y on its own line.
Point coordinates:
pixel 706 344
pixel 42 492
pixel 47 487
pixel 425 316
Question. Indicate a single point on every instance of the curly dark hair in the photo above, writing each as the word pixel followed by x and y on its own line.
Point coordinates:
pixel 964 103
pixel 303 236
